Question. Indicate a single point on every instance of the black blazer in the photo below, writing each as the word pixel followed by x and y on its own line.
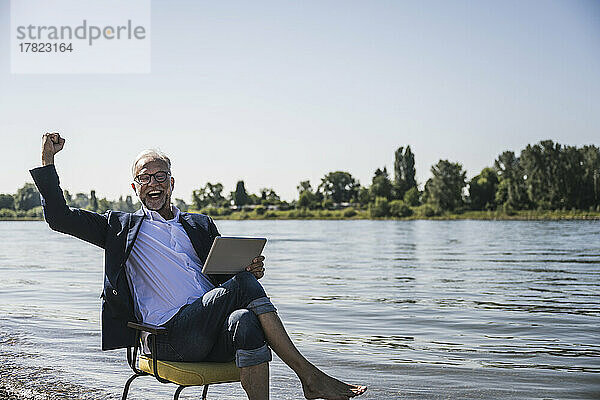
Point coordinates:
pixel 115 232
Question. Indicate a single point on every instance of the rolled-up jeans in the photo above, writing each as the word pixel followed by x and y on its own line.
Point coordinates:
pixel 220 326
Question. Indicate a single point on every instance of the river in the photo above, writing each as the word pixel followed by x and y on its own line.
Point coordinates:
pixel 413 309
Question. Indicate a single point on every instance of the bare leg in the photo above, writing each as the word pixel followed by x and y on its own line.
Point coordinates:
pixel 315 383
pixel 255 381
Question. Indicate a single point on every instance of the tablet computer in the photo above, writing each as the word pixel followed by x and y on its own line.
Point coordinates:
pixel 230 255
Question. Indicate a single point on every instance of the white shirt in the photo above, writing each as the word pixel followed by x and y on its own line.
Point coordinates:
pixel 164 269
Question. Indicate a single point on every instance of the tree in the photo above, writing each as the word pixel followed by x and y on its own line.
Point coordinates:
pixel 404 171
pixel 269 197
pixel 306 196
pixel 339 186
pixel 304 186
pixel 412 197
pixel 284 205
pixel 126 205
pixel 81 200
pixel 209 195
pixel 93 201
pixel 181 204
pixel 327 204
pixel 364 196
pixel 27 197
pixel 590 194
pixel 571 178
pixel 379 208
pixel 445 187
pixel 399 209
pixel 7 201
pixel 105 205
pixel 306 200
pixel 560 176
pixel 482 190
pixel 199 198
pixel 119 205
pixel 253 199
pixel 129 206
pixel 544 179
pixel 214 193
pixel 240 196
pixel 511 187
pixel 68 198
pixel 381 185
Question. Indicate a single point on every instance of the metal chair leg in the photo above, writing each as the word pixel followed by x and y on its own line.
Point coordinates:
pixel 127 384
pixel 179 389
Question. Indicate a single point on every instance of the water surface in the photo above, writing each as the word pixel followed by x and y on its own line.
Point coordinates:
pixel 414 309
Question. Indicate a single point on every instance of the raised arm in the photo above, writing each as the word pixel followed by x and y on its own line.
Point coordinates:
pixel 83 224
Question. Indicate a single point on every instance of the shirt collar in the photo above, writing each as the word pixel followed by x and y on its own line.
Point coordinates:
pixel 155 216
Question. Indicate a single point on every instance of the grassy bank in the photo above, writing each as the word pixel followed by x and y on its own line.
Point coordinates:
pixel 418 214
pixel 354 214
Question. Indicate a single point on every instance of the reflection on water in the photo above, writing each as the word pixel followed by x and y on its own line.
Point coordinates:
pixel 415 309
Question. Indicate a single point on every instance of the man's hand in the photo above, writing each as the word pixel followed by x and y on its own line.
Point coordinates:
pixel 257 267
pixel 52 143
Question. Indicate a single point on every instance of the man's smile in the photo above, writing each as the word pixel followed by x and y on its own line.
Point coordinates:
pixel 155 194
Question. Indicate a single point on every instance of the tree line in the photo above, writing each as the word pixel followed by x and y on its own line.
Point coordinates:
pixel 544 176
pixel 26 203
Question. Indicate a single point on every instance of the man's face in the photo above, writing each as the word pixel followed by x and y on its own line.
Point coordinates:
pixel 154 195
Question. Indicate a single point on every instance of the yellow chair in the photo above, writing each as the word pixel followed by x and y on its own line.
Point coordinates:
pixel 184 374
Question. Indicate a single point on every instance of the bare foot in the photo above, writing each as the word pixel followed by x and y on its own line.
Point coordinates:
pixel 319 385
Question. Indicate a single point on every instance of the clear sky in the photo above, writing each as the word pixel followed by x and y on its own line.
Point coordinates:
pixel 275 92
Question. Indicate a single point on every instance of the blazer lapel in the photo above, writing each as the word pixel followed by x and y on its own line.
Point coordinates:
pixel 133 227
pixel 135 223
pixel 197 235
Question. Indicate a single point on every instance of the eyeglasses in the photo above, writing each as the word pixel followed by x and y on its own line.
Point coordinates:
pixel 145 179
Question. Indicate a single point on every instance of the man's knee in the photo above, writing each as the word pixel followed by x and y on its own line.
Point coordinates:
pixel 248 339
pixel 249 284
pixel 252 293
pixel 246 330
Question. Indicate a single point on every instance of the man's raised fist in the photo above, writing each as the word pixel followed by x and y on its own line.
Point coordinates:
pixel 52 143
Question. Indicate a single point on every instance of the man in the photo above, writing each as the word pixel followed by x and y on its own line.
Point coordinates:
pixel 152 273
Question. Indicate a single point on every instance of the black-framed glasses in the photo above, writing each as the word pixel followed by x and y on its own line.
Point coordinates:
pixel 144 179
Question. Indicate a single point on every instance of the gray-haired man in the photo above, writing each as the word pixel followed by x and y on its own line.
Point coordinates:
pixel 152 273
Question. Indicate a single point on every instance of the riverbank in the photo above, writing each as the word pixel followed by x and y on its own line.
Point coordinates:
pixel 29 381
pixel 351 214
pixel 354 214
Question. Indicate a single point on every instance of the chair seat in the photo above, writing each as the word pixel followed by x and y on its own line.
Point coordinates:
pixel 193 373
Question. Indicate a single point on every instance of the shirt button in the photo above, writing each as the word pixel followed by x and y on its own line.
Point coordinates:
pixel 114 292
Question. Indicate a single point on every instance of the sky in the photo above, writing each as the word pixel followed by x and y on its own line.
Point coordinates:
pixel 277 92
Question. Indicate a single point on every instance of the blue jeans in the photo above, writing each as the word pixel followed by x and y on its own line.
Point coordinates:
pixel 220 326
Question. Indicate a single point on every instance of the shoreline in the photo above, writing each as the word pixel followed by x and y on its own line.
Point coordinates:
pixel 338 215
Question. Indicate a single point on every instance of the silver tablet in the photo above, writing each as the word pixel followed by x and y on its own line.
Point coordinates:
pixel 230 255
